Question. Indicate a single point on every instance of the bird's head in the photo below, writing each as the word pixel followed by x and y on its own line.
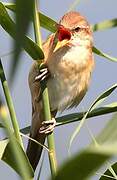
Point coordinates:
pixel 73 29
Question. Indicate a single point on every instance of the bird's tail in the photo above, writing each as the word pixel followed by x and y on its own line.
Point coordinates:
pixel 34 150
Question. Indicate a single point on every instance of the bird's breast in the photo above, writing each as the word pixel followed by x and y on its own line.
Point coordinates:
pixel 69 76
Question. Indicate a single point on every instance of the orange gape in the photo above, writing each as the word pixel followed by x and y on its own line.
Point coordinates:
pixel 69 63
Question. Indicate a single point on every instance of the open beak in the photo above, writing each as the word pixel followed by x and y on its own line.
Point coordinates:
pixel 63 36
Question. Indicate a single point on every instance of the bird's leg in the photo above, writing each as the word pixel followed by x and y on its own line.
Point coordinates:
pixel 48 126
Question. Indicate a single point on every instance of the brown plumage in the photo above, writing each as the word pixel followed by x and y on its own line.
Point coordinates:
pixel 70 64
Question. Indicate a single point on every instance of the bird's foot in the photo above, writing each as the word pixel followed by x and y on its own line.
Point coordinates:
pixel 44 73
pixel 48 126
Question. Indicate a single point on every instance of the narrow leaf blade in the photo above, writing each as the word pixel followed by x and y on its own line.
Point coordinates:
pixel 70 118
pixel 9 158
pixel 109 108
pixel 9 26
pixel 24 11
pixel 81 166
pixel 98 101
pixel 12 152
pixel 3 144
pixel 105 25
pixel 45 21
pixel 100 53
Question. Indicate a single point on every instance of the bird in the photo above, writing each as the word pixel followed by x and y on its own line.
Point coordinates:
pixel 68 65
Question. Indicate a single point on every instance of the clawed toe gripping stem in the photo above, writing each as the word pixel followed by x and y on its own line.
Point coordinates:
pixel 48 126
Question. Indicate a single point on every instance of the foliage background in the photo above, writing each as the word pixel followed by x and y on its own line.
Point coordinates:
pixel 103 77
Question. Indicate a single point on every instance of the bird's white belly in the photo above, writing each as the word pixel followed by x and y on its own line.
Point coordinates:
pixel 60 95
pixel 66 81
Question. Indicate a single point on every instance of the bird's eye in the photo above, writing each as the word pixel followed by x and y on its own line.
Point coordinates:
pixel 77 29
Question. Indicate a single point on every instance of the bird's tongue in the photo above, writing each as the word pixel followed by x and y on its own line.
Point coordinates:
pixel 63 34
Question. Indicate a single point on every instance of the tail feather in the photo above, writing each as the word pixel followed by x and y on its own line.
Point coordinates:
pixel 34 150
